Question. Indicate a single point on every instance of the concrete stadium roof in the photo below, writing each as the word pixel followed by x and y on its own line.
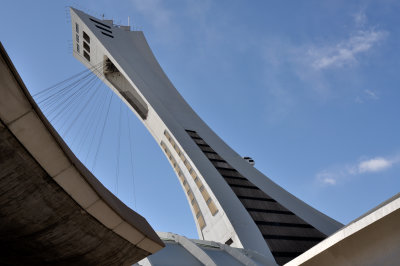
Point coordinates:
pixel 371 239
pixel 52 209
pixel 181 251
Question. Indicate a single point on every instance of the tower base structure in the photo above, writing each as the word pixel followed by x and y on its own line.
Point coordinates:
pixel 372 239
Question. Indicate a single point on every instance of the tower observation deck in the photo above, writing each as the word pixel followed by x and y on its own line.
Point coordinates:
pixel 231 201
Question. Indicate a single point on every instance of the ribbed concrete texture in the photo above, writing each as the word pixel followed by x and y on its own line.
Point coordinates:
pixel 42 224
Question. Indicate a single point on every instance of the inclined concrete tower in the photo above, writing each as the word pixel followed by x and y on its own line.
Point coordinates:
pixel 231 201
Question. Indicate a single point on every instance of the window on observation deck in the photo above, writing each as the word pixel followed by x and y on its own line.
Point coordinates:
pixel 86 55
pixel 229 242
pixel 86 37
pixel 86 46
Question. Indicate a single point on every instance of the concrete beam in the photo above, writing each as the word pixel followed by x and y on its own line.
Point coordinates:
pixel 52 209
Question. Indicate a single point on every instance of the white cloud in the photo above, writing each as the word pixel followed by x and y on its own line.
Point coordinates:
pixel 360 19
pixel 367 95
pixel 371 94
pixel 330 181
pixel 328 178
pixel 339 173
pixel 374 165
pixel 332 176
pixel 306 64
pixel 344 53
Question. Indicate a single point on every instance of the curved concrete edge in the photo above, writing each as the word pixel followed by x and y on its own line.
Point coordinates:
pixel 384 213
pixel 193 249
pixel 237 255
pixel 22 116
pixel 190 247
pixel 204 252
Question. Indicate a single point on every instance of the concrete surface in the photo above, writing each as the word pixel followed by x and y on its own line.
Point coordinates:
pixel 52 209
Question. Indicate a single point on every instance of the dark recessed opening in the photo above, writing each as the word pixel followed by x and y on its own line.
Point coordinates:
pixel 86 37
pixel 107 34
pixel 103 29
pixel 229 242
pixel 86 46
pixel 86 55
pixel 117 79
pixel 98 22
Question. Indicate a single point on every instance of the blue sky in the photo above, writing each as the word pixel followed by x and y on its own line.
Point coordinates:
pixel 309 89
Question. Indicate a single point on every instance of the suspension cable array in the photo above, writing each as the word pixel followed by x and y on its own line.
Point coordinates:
pixel 83 110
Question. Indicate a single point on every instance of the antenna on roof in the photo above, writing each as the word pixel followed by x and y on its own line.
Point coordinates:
pixel 128 22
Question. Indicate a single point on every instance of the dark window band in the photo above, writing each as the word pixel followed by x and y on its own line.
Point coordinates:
pixel 300 238
pixel 229 168
pixel 234 177
pixel 226 169
pixel 283 224
pixel 97 26
pixel 269 211
pixel 98 22
pixel 244 186
pixel 256 198
pixel 211 152
pixel 283 236
pixel 286 254
pixel 217 160
pixel 107 34
pixel 203 145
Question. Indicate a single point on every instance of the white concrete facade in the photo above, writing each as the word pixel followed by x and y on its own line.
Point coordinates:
pixel 372 239
pixel 181 251
pixel 141 83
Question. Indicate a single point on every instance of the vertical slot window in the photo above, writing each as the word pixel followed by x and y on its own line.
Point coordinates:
pixel 86 37
pixel 76 27
pixel 86 55
pixel 78 48
pixel 86 46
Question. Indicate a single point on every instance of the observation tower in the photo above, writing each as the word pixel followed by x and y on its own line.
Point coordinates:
pixel 231 201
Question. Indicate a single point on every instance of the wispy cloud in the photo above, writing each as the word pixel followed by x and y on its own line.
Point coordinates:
pixel 345 52
pixel 371 94
pixel 360 19
pixel 367 95
pixel 367 166
pixel 306 67
pixel 327 177
pixel 375 165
